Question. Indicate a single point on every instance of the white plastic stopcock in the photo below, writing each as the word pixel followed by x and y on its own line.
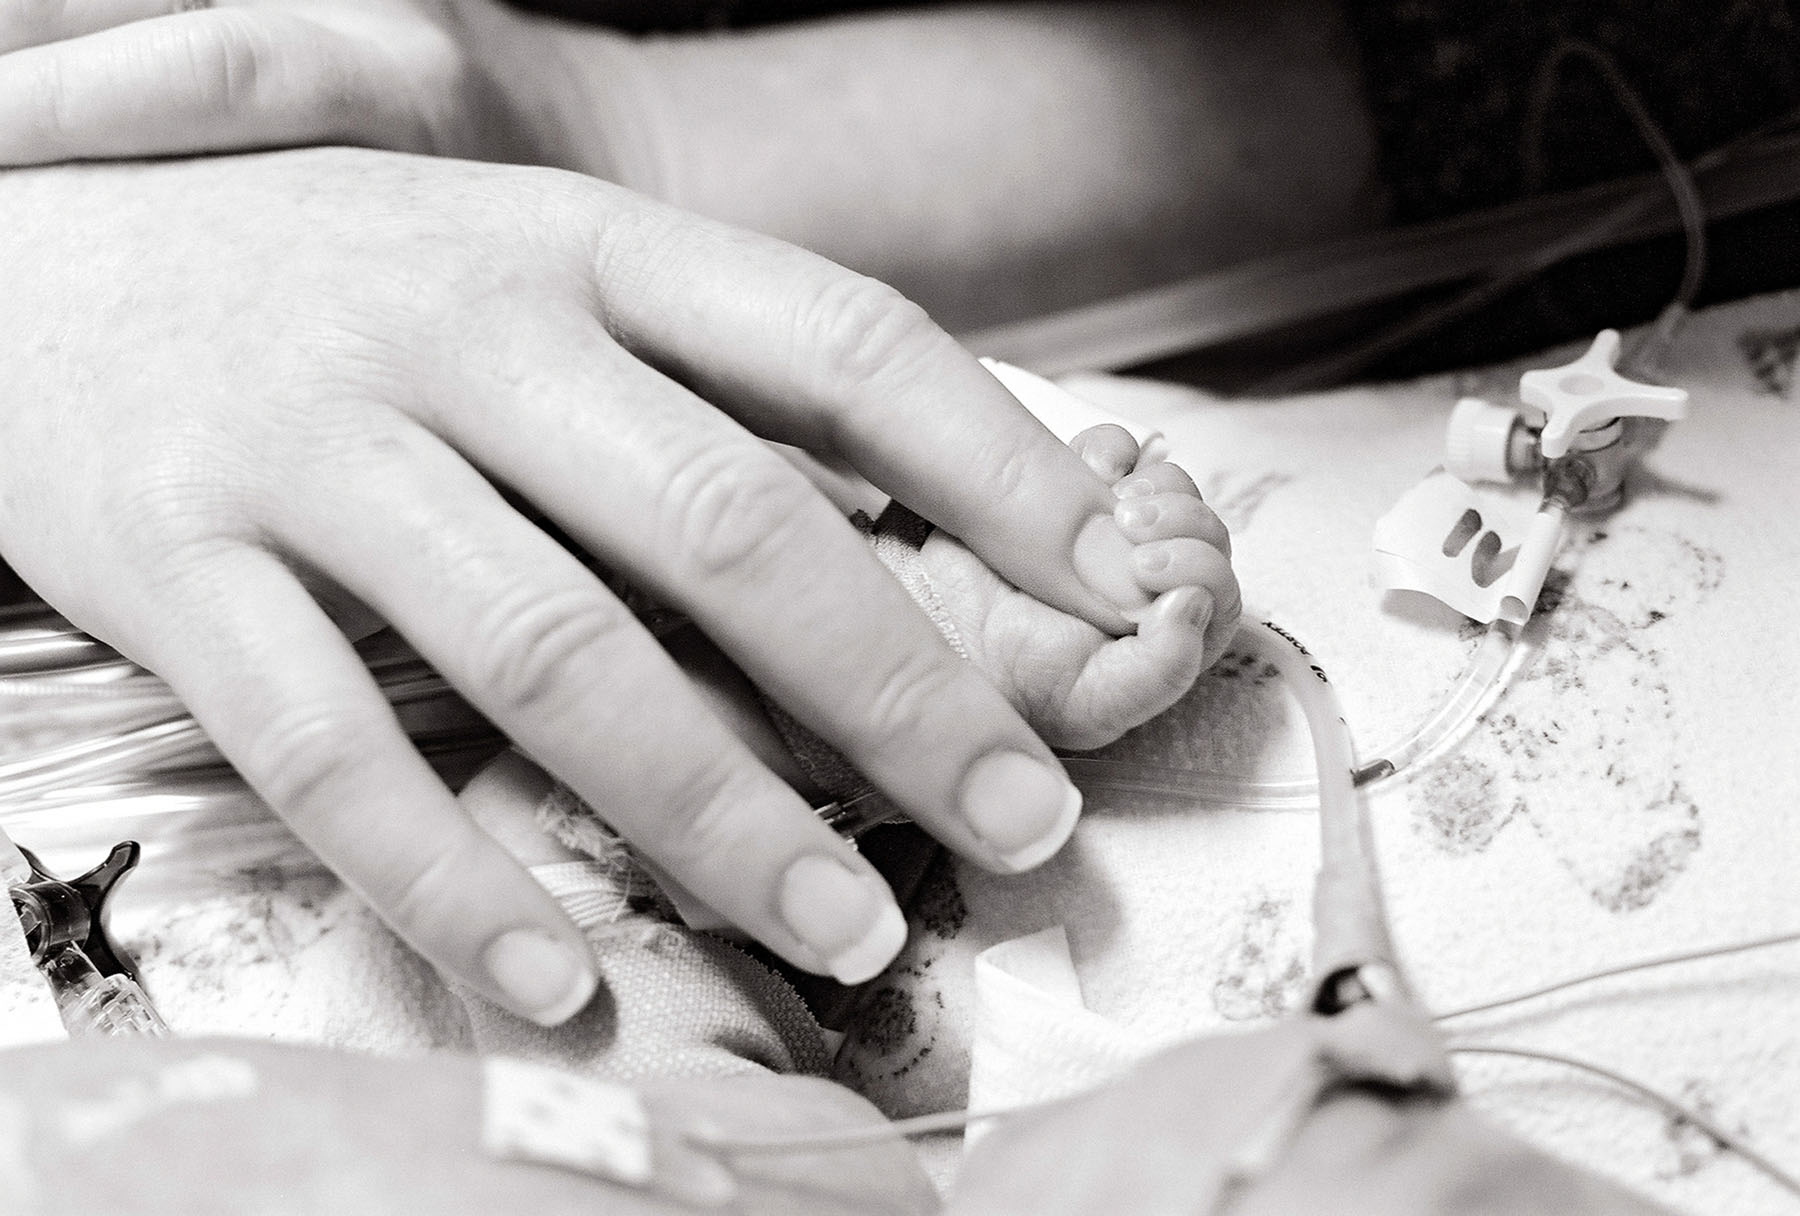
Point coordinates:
pixel 1589 393
pixel 1478 440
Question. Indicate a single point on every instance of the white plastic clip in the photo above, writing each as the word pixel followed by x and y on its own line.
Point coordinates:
pixel 1588 394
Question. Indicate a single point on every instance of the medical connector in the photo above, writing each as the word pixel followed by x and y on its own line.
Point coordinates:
pixel 64 923
pixel 93 1003
pixel 1576 407
pixel 1488 442
pixel 1576 413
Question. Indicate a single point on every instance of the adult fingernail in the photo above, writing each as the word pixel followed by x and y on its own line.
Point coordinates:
pixel 1103 562
pixel 1022 808
pixel 849 921
pixel 545 979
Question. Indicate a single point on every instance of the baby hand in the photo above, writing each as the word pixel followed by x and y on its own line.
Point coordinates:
pixel 107 79
pixel 1078 686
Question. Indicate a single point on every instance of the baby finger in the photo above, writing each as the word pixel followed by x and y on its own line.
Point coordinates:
pixel 1158 477
pixel 1108 449
pixel 1183 561
pixel 1170 515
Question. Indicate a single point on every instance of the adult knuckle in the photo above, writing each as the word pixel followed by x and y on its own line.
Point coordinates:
pixel 861 329
pixel 302 758
pixel 730 515
pixel 49 118
pixel 703 815
pixel 170 519
pixel 227 61
pixel 907 695
pixel 1012 474
pixel 537 649
pixel 434 888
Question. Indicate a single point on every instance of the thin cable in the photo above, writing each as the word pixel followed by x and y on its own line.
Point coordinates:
pixel 1685 956
pixel 1647 352
pixel 860 1137
pixel 1335 366
pixel 1480 681
pixel 1680 1110
pixel 956 1120
pixel 1679 178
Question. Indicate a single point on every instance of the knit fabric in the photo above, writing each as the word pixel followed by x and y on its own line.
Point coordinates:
pixel 672 1002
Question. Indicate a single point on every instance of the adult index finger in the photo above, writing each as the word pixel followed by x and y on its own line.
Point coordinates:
pixel 286 700
pixel 697 511
pixel 554 658
pixel 806 352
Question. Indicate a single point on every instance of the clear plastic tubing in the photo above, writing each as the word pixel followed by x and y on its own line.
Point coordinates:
pixel 1480 680
pixel 1349 922
pixel 170 743
pixel 33 648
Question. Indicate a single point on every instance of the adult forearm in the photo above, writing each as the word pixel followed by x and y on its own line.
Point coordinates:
pixel 998 160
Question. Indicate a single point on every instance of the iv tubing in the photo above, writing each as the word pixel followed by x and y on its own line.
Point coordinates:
pixel 1536 552
pixel 163 744
pixel 1478 682
pixel 1350 925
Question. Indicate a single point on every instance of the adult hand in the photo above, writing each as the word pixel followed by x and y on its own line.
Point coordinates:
pixel 123 78
pixel 235 384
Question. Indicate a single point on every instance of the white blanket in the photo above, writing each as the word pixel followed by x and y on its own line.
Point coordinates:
pixel 1633 792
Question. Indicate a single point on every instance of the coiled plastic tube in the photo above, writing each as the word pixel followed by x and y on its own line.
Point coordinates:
pixel 1481 680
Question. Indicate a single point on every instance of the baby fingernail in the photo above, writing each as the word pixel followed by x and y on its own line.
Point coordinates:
pixel 849 921
pixel 1193 608
pixel 1137 515
pixel 1103 562
pixel 1023 809
pixel 1152 558
pixel 545 979
pixel 1135 487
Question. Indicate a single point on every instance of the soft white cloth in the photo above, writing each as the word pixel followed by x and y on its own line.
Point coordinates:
pixel 27 1012
pixel 1631 794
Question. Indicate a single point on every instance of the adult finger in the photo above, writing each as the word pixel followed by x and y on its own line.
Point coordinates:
pixel 203 81
pixel 284 697
pixel 547 652
pixel 808 353
pixel 34 22
pixel 660 484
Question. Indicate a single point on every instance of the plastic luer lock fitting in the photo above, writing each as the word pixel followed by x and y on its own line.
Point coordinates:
pixel 1478 441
